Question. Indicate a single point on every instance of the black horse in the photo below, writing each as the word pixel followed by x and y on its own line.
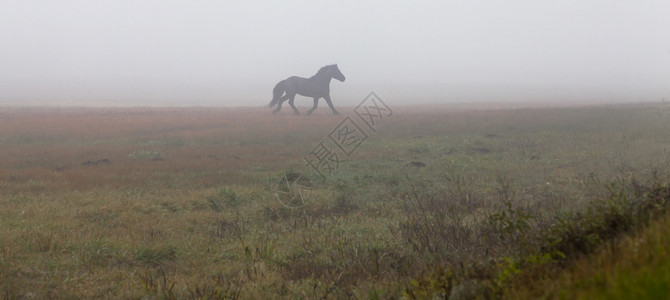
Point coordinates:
pixel 317 86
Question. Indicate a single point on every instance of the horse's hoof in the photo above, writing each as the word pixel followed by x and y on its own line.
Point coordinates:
pixel 336 112
pixel 275 111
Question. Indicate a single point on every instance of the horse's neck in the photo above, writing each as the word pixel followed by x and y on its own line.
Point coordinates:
pixel 321 77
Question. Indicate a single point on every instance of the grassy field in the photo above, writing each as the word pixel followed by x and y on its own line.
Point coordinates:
pixel 634 266
pixel 219 202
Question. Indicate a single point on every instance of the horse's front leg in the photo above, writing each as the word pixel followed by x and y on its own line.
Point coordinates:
pixel 316 102
pixel 281 100
pixel 290 102
pixel 330 103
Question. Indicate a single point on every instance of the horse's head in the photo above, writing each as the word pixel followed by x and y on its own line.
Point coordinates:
pixel 336 73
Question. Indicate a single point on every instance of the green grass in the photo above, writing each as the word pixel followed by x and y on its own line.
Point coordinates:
pixel 179 203
pixel 634 266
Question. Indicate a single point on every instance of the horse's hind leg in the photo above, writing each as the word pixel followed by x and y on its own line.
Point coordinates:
pixel 279 103
pixel 330 103
pixel 316 102
pixel 290 102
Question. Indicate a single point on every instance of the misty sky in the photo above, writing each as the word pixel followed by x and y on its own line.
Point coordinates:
pixel 224 53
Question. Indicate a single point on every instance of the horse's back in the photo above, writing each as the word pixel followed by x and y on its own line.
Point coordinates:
pixel 292 84
pixel 295 79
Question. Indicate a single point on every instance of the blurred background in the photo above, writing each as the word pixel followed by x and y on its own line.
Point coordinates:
pixel 232 53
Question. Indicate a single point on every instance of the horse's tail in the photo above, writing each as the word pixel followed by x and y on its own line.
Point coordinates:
pixel 277 92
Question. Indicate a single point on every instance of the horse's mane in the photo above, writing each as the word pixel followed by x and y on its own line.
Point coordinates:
pixel 324 69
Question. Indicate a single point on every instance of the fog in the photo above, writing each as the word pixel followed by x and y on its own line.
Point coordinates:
pixel 232 53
